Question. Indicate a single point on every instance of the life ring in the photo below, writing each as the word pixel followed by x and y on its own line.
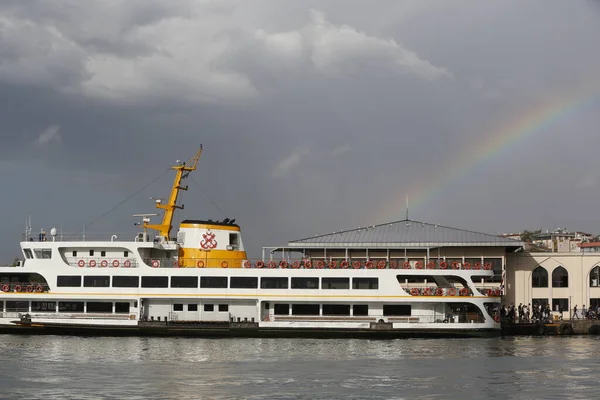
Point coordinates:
pixel 497 318
pixel 155 264
pixel 497 292
pixel 489 292
pixel 406 265
pixel 320 264
pixel 296 264
pixel 104 263
pixel 127 264
pixel 419 265
pixel 18 288
pixel 344 264
pixel 81 263
pixel 283 264
pixel 307 264
pixel 272 264
pixel 427 291
pixel 260 264
pixel 39 289
pixel 430 265
pixel 247 264
pixel 381 264
pixel 464 292
pixel 200 264
pixel 451 291
pixel 116 263
pixel 414 291
pixel 478 265
pixel 224 264
pixel 439 292
pixel 5 288
pixel 394 265
pixel 29 288
pixel 466 265
pixel 455 265
pixel 92 263
pixel 444 265
pixel 356 264
pixel 487 266
pixel 332 264
pixel 369 264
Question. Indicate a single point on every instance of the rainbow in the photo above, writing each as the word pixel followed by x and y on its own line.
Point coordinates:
pixel 518 129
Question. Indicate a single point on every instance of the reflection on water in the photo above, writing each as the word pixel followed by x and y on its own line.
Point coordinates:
pixel 36 367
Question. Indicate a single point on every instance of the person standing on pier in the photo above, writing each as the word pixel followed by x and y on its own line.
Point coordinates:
pixel 575 315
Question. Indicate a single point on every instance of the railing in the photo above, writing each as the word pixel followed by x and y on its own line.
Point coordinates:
pixel 366 264
pixel 206 262
pixel 102 262
pixel 84 237
pixel 411 319
pixel 24 287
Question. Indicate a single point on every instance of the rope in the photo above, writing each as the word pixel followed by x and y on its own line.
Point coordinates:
pixel 210 198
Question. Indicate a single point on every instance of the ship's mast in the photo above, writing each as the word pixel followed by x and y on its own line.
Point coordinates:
pixel 182 170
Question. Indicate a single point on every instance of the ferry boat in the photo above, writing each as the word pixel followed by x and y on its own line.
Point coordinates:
pixel 200 282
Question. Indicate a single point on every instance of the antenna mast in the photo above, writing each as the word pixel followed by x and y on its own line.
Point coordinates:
pixel 407 208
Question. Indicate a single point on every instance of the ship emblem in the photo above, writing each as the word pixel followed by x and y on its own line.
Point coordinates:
pixel 209 241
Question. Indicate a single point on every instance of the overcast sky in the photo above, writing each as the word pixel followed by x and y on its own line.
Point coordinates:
pixel 315 116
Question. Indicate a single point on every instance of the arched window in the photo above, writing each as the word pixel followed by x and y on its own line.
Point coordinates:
pixel 560 277
pixel 539 277
pixel 595 277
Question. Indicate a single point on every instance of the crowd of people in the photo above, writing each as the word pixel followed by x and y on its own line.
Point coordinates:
pixel 525 313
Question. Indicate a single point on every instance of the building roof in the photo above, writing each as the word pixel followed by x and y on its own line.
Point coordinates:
pixel 405 234
pixel 589 244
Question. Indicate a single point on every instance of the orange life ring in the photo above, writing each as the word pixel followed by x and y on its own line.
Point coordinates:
pixel 451 291
pixel 356 264
pixel 381 264
pixel 200 264
pixel 344 264
pixel 443 265
pixel 369 264
pixel 414 292
pixel 489 292
pixel 332 264
pixel 224 264
pixel 427 291
pixel 466 265
pixel 272 264
pixel 307 264
pixel 127 264
pixel 283 264
pixel 487 266
pixel 29 289
pixel 455 265
pixel 155 264
pixel 478 265
pixel 394 265
pixel 419 265
pixel 81 263
pixel 116 263
pixel 464 292
pixel 296 264
pixel 104 263
pixel 39 289
pixel 5 288
pixel 439 292
pixel 18 288
pixel 498 292
pixel 260 264
pixel 247 264
pixel 431 265
pixel 320 264
pixel 497 318
pixel 406 265
pixel 92 263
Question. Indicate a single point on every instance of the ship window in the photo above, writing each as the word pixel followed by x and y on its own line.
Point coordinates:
pixel 244 282
pixel 223 307
pixel 91 253
pixel 192 307
pixel 281 309
pixel 234 241
pixel 28 253
pixel 68 281
pixel 209 307
pixel 125 253
pixel 74 253
pixel 273 283
pixel 305 283
pixel 305 309
pixel 103 253
pixel 43 253
pixel 96 281
pixel 122 307
pixel 177 307
pixel 43 306
pixel 99 307
pixel 215 282
pixel 126 281
pixel 335 283
pixel 496 267
pixel 365 283
pixel 396 309
pixel 184 281
pixel 155 281
pixel 336 309
pixel 70 306
pixel 360 309
pixel 17 306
